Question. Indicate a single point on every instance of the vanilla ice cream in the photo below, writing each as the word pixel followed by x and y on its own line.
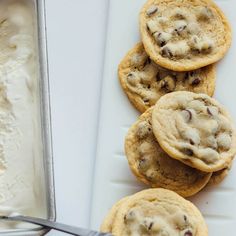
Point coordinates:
pixel 21 159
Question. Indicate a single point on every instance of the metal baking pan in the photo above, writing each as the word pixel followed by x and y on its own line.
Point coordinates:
pixel 45 123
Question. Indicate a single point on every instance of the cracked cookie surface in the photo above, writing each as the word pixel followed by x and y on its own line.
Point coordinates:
pixel 151 165
pixel 145 82
pixel 184 35
pixel 158 212
pixel 195 129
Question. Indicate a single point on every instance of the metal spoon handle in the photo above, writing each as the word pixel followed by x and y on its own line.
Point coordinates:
pixel 57 226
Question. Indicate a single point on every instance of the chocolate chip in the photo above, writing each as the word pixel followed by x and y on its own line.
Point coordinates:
pixel 162 38
pixel 150 226
pixel 163 44
pixel 161 41
pixel 193 78
pixel 158 78
pixel 188 151
pixel 180 29
pixel 149 86
pixel 132 79
pixel 153 9
pixel 191 142
pixel 147 27
pixel 185 76
pixel 147 62
pixel 129 216
pixel 3 21
pixel 209 111
pixel 146 100
pixel 196 51
pixel 180 26
pixel 188 115
pixel 166 52
pixel 188 233
pixel 212 110
pixel 196 81
pixel 185 218
pixel 168 83
pixel 143 130
pixel 174 77
pixel 164 84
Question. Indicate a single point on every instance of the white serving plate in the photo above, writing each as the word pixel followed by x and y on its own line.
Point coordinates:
pixel 112 178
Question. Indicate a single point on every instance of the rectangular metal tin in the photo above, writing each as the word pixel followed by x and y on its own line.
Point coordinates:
pixel 44 94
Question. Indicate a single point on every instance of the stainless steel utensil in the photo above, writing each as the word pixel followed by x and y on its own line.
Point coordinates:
pixel 54 225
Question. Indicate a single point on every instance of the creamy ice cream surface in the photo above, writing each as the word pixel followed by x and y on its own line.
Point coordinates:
pixel 21 159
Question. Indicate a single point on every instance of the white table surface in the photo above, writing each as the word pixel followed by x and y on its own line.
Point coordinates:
pixel 76 38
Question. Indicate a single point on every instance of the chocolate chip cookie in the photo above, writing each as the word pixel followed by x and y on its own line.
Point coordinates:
pixel 184 35
pixel 151 165
pixel 158 212
pixel 145 82
pixel 195 129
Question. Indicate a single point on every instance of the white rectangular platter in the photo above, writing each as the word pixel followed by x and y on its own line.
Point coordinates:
pixel 112 178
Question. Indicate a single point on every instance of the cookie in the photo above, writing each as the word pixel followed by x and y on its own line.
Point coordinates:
pixel 184 35
pixel 195 129
pixel 151 165
pixel 145 82
pixel 109 219
pixel 218 176
pixel 158 212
